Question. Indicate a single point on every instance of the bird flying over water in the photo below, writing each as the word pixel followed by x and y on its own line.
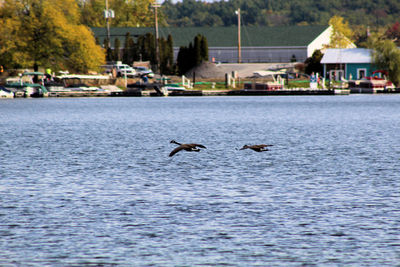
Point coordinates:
pixel 187 147
pixel 257 148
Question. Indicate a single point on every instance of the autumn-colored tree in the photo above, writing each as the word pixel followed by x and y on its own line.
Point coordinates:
pixel 128 13
pixel 92 13
pixel 46 33
pixel 393 33
pixel 341 33
pixel 360 35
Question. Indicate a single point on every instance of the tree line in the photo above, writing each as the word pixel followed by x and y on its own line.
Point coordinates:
pixel 143 49
pixel 278 13
pixel 193 54
pixel 50 34
pixel 362 15
pixel 139 13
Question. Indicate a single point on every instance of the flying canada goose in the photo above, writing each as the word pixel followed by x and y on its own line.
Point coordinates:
pixel 258 148
pixel 187 147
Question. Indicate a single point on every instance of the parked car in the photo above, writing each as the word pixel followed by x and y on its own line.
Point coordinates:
pixel 121 69
pixel 124 69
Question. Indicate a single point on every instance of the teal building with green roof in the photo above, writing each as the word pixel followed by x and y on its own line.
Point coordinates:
pixel 258 44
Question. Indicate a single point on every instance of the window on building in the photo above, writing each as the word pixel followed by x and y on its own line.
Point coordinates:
pixel 361 73
pixel 336 75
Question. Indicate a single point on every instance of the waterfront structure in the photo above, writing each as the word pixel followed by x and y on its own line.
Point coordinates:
pixel 349 64
pixel 259 44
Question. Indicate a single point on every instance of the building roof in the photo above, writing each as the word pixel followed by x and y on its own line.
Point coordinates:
pixel 348 55
pixel 251 36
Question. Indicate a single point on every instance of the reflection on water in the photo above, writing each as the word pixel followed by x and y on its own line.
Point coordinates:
pixel 89 181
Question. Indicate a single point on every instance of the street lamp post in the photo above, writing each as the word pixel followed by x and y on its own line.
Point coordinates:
pixel 155 6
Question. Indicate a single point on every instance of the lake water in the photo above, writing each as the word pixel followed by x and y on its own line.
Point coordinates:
pixel 88 181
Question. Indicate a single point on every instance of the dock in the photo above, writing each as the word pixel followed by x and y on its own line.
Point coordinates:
pixel 79 94
pixel 282 92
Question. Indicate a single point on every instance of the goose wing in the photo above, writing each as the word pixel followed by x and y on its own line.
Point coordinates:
pixel 263 145
pixel 176 150
pixel 194 145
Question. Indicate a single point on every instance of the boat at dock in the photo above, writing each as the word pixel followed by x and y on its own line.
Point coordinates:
pixel 6 93
pixel 371 85
pixel 145 89
pixel 27 89
pixel 276 87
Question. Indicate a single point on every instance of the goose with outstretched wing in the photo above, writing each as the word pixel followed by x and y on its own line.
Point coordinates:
pixel 257 148
pixel 186 147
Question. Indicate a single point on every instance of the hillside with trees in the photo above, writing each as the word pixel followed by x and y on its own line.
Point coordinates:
pixel 277 13
pixel 133 13
pixel 362 16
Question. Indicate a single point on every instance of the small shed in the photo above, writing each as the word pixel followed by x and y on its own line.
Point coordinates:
pixel 349 63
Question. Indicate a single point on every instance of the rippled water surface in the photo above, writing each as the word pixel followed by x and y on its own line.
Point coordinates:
pixel 88 181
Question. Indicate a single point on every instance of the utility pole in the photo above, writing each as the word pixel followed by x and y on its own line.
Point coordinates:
pixel 108 14
pixel 155 6
pixel 239 43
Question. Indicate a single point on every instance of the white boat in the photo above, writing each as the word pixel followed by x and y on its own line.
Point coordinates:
pixel 6 93
pixel 173 87
pixel 83 87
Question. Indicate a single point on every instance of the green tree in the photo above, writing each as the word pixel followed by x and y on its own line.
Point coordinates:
pixel 170 44
pixel 128 13
pixel 182 61
pixel 129 49
pixel 168 56
pixel 313 63
pixel 197 50
pixel 163 55
pixel 47 33
pixel 386 56
pixel 204 48
pixel 117 50
pixel 108 50
pixel 193 55
pixel 147 47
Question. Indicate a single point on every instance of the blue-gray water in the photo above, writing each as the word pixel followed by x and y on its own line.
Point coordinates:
pixel 88 181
